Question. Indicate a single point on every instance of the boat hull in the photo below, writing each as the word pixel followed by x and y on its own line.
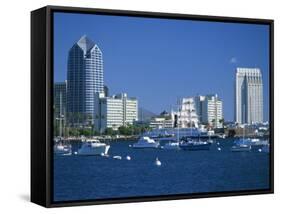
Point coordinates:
pixel 154 146
pixel 94 151
pixel 240 149
pixel 195 147
pixel 171 146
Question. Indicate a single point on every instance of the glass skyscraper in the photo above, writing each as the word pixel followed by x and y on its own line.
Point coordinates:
pixel 248 95
pixel 84 79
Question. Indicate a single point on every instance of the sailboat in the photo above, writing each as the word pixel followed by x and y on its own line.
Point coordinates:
pixel 242 145
pixel 174 144
pixel 60 147
pixel 191 144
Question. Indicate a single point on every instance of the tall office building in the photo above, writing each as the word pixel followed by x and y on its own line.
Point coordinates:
pixel 84 79
pixel 248 95
pixel 59 99
pixel 115 111
pixel 209 109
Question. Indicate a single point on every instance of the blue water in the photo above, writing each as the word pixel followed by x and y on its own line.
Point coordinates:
pixel 94 177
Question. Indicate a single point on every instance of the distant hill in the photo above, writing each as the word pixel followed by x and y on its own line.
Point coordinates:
pixel 145 115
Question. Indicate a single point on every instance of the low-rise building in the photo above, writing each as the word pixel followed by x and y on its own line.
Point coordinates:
pixel 115 111
pixel 161 122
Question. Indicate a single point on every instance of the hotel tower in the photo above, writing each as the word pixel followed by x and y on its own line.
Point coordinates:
pixel 248 95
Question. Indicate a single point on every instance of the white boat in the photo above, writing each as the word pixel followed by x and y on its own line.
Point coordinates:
pixel 257 144
pixel 171 145
pixel 146 142
pixel 241 148
pixel 62 149
pixel 93 147
pixel 193 145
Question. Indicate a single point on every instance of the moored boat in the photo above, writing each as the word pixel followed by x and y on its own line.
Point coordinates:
pixel 93 147
pixel 146 142
pixel 241 148
pixel 62 149
pixel 192 145
pixel 171 145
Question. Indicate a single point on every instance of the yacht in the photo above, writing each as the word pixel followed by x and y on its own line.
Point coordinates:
pixel 93 147
pixel 242 145
pixel 62 149
pixel 257 144
pixel 146 142
pixel 193 145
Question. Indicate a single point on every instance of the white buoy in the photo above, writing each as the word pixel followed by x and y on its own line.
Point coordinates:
pixel 75 153
pixel 157 162
pixel 260 150
pixel 219 149
pixel 130 145
pixel 128 157
pixel 117 157
pixel 218 143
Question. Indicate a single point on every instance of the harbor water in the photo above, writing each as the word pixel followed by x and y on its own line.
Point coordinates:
pixel 181 172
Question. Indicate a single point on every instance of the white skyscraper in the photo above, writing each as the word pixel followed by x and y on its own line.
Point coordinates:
pixel 248 95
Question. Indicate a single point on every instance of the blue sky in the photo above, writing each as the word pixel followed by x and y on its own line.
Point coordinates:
pixel 159 60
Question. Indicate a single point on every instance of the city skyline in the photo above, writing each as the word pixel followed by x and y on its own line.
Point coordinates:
pixel 169 64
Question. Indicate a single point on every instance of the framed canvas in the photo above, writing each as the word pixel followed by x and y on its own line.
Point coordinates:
pixel 130 106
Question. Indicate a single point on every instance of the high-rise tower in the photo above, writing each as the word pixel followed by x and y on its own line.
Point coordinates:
pixel 248 95
pixel 84 79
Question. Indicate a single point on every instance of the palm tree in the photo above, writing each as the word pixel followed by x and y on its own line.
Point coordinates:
pixel 222 121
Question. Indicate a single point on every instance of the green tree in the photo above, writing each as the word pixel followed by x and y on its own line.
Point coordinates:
pixel 222 121
pixel 108 131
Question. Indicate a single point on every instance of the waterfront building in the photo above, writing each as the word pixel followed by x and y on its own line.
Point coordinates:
pixel 185 116
pixel 212 111
pixel 59 99
pixel 248 95
pixel 209 110
pixel 84 79
pixel 115 111
pixel 161 122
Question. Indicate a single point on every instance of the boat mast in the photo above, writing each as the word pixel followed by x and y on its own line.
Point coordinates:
pixel 178 128
pixel 60 118
pixel 244 108
pixel 190 119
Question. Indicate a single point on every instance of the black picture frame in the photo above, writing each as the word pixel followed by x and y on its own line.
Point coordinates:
pixel 41 103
